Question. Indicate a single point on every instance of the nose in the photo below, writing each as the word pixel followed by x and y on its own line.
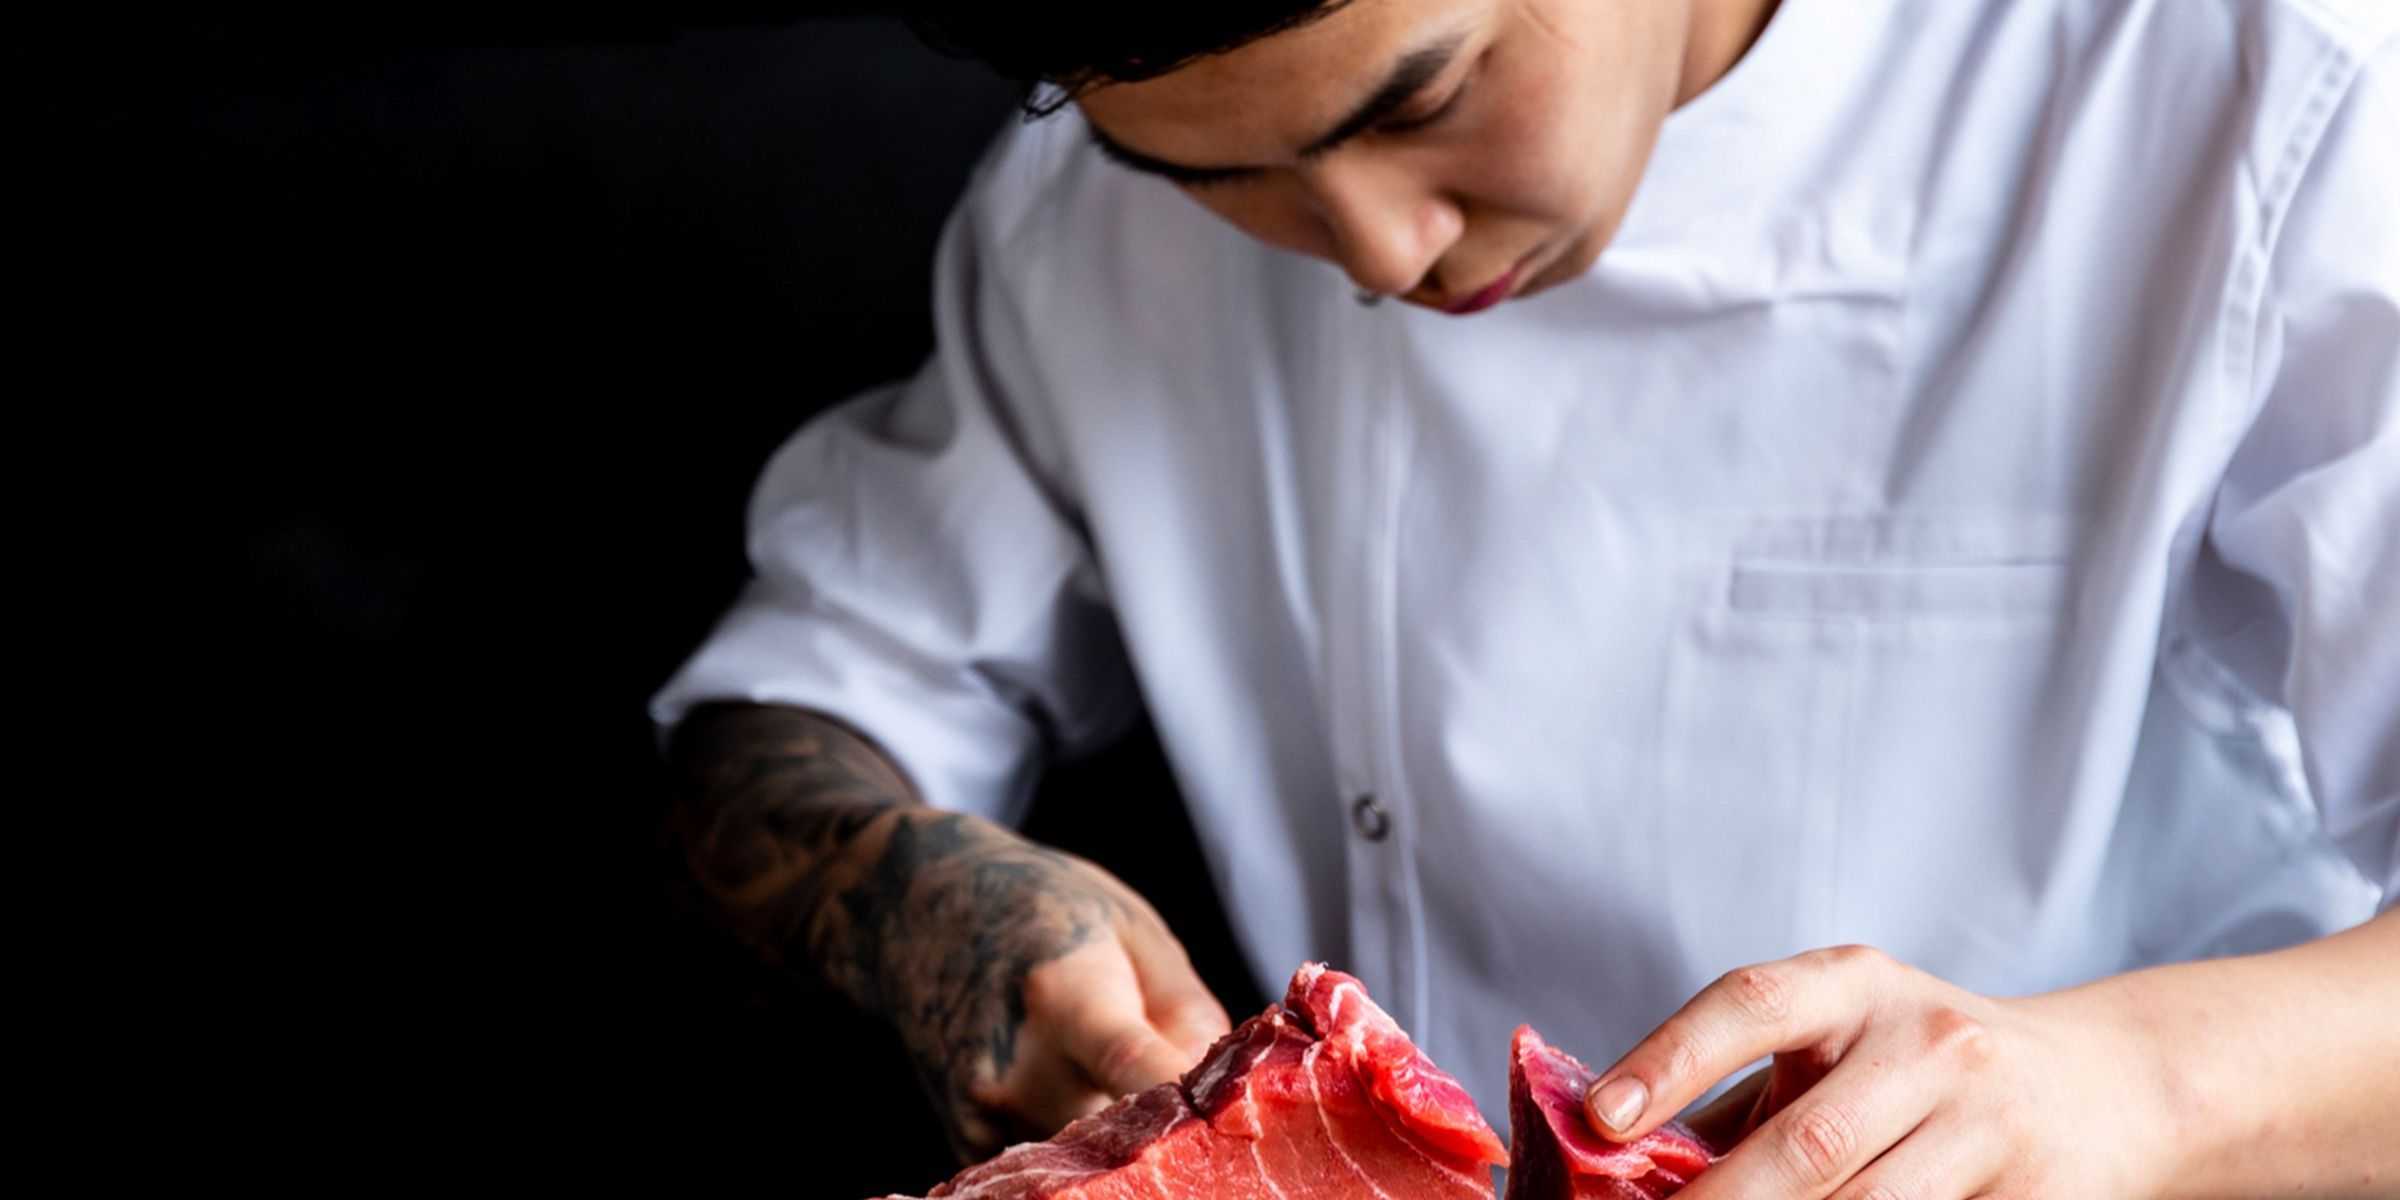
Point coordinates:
pixel 1386 228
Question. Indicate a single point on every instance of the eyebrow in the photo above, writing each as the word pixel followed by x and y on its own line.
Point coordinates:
pixel 1408 77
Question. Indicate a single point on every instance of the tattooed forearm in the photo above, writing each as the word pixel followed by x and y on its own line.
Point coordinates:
pixel 818 852
pixel 772 799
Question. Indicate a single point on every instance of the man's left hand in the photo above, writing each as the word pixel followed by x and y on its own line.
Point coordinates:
pixel 1888 1082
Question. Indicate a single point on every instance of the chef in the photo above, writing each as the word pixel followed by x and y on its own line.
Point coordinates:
pixel 1855 535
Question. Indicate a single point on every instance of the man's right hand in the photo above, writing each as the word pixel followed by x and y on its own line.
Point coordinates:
pixel 1029 986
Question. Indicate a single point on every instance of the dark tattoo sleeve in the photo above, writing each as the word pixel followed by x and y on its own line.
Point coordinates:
pixel 772 801
pixel 818 852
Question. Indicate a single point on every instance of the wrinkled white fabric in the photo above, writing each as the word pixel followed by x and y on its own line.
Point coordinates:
pixel 1960 513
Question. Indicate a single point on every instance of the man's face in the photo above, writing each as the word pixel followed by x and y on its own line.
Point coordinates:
pixel 1504 173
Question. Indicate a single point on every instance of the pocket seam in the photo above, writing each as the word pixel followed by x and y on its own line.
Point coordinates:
pixel 1992 589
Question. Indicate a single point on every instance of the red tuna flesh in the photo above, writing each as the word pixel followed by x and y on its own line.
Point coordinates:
pixel 1321 1097
pixel 1554 1153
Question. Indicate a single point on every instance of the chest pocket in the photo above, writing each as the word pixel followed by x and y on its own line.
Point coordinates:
pixel 1854 708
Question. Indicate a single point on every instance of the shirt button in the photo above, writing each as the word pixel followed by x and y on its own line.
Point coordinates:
pixel 1374 824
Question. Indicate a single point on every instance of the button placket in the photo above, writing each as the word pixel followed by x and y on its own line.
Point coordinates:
pixel 1381 921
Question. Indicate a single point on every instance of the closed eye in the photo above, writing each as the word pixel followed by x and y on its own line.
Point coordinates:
pixel 1399 127
pixel 1205 182
pixel 1429 120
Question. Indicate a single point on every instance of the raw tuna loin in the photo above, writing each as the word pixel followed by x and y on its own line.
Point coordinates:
pixel 1321 1097
pixel 1556 1156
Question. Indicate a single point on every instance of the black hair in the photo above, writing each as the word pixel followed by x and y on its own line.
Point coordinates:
pixel 1077 45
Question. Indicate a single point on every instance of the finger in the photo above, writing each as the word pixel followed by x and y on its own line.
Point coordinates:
pixel 1192 1023
pixel 974 1136
pixel 1041 1089
pixel 1823 1139
pixel 1177 1003
pixel 1125 1055
pixel 1724 1121
pixel 1814 999
pixel 1175 1000
pixel 1093 1005
pixel 1047 1110
pixel 1937 1162
pixel 1039 1098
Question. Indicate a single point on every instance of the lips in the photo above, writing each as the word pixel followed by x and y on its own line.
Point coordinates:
pixel 1492 294
pixel 1495 291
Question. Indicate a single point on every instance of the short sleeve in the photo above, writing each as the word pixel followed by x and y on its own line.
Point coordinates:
pixel 915 571
pixel 2310 504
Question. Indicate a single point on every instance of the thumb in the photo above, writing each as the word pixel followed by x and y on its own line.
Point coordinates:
pixel 1095 1004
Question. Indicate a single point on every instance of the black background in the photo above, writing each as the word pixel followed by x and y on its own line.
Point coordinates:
pixel 422 365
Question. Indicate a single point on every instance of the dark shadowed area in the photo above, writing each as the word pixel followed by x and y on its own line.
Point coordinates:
pixel 447 350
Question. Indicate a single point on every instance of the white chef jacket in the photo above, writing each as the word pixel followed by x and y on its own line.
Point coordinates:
pixel 1959 513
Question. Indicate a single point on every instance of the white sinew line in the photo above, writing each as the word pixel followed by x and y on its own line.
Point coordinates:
pixel 1250 1099
pixel 1250 1094
pixel 1464 1180
pixel 1308 1065
pixel 1356 1032
pixel 1166 1190
pixel 1263 1176
pixel 1358 1045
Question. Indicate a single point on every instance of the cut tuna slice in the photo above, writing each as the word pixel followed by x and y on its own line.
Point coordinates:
pixel 1321 1097
pixel 1554 1153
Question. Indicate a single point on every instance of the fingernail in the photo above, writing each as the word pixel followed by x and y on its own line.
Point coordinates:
pixel 1618 1103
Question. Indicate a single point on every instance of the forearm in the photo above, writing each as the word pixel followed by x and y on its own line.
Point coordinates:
pixel 779 811
pixel 815 849
pixel 2280 1072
